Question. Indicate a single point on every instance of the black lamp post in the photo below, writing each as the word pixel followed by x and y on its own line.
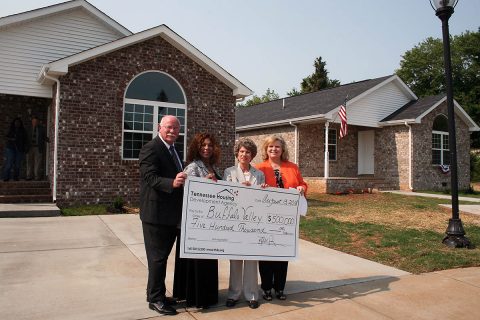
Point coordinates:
pixel 455 237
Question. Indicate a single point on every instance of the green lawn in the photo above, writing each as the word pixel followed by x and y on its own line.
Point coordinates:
pixel 87 210
pixel 399 231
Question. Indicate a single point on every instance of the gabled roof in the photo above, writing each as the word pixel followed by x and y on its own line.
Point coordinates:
pixel 415 111
pixel 23 17
pixel 309 106
pixel 60 67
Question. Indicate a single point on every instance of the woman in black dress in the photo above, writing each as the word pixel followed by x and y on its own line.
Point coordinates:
pixel 196 280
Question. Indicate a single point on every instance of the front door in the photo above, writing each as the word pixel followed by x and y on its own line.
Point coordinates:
pixel 366 148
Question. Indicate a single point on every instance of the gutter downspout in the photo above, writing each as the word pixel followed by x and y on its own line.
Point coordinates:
pixel 296 141
pixel 55 145
pixel 409 156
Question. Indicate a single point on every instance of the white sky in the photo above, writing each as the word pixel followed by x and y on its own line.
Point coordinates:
pixel 273 43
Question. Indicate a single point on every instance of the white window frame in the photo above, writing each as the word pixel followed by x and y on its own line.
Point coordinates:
pixel 156 105
pixel 442 147
pixel 330 133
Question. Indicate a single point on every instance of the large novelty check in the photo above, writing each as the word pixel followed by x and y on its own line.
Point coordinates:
pixel 225 220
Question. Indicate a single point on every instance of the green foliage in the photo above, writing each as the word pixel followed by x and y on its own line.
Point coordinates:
pixel 294 92
pixel 86 210
pixel 118 203
pixel 422 69
pixel 269 95
pixel 318 79
pixel 474 167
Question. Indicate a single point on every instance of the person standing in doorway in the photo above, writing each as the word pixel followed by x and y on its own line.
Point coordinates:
pixel 36 148
pixel 14 150
pixel 161 194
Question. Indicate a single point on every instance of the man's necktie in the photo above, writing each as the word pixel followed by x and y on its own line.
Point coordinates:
pixel 175 158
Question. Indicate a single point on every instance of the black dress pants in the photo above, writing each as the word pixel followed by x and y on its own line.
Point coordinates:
pixel 273 274
pixel 159 240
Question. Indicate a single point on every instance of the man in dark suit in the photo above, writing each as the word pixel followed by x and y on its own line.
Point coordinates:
pixel 37 138
pixel 161 195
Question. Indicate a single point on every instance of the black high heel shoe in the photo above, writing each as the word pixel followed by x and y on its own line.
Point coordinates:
pixel 280 295
pixel 267 295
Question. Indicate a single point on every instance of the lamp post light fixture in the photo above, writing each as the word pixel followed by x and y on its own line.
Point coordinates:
pixel 455 237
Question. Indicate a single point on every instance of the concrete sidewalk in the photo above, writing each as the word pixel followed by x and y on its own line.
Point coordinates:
pixel 95 268
pixel 466 208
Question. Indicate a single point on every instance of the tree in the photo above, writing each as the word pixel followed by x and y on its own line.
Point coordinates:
pixel 269 95
pixel 294 92
pixel 422 69
pixel 318 79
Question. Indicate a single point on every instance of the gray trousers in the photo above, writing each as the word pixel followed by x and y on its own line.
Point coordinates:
pixel 34 163
pixel 243 275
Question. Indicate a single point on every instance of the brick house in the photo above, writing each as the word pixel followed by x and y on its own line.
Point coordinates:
pixel 394 140
pixel 101 91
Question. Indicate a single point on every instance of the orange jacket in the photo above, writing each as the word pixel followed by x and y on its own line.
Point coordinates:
pixel 289 171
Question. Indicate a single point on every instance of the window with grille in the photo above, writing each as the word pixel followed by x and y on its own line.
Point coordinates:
pixel 440 142
pixel 149 97
pixel 332 144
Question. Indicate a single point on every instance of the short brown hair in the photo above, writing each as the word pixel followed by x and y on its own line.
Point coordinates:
pixel 196 144
pixel 271 139
pixel 247 144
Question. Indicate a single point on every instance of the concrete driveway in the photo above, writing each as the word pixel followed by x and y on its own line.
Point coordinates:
pixel 95 268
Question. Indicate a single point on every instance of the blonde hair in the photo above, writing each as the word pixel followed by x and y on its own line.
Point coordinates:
pixel 271 139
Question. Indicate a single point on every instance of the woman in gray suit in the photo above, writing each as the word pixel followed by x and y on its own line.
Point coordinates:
pixel 244 273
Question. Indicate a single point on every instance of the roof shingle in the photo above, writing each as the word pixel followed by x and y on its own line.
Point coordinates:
pixel 309 104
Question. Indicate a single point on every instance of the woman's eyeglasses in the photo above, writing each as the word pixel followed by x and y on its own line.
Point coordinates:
pixel 278 178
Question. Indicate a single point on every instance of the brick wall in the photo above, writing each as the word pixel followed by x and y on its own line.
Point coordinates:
pixel 12 106
pixel 90 131
pixel 391 155
pixel 428 176
pixel 312 151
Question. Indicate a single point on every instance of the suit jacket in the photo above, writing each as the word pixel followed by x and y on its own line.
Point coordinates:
pixel 160 203
pixel 41 138
pixel 235 174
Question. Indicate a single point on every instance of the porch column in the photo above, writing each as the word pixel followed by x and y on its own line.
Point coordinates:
pixel 326 162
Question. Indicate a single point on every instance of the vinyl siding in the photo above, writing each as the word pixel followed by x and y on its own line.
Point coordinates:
pixel 369 110
pixel 26 47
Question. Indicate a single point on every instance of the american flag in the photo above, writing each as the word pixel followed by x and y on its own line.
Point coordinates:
pixel 342 113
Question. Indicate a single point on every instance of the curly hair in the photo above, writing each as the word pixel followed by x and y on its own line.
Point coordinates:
pixel 247 144
pixel 271 139
pixel 196 144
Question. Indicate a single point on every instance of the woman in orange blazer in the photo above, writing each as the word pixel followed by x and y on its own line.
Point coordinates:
pixel 280 173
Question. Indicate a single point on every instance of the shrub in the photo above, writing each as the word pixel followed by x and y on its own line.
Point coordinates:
pixel 118 203
pixel 474 166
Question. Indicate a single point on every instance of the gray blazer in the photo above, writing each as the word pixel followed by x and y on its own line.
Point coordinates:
pixel 235 174
pixel 198 169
